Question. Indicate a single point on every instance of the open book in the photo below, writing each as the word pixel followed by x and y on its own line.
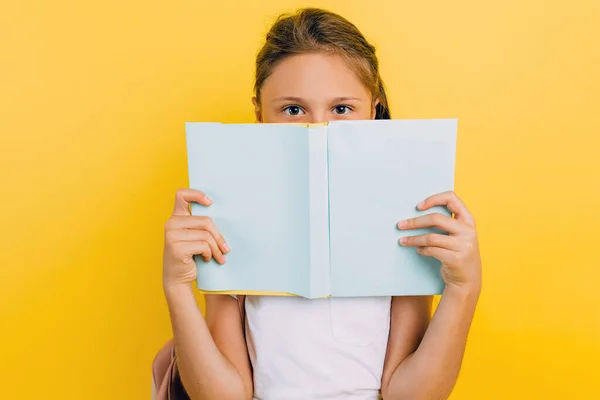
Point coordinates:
pixel 311 210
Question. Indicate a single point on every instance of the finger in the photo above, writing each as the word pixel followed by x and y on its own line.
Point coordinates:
pixel 187 250
pixel 184 197
pixel 200 223
pixel 431 240
pixel 433 220
pixel 452 202
pixel 193 235
pixel 444 255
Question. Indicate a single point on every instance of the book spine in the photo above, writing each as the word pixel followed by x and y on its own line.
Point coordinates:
pixel 319 212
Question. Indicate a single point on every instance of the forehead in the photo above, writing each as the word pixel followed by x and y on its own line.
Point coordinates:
pixel 314 76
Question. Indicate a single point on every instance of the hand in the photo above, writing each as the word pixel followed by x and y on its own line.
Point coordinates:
pixel 459 251
pixel 186 236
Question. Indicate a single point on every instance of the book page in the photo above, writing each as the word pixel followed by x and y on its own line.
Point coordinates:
pixel 378 172
pixel 258 178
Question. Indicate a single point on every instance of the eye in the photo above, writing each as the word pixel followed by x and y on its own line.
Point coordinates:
pixel 293 110
pixel 342 109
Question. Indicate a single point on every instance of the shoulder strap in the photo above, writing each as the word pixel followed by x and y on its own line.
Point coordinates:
pixel 241 299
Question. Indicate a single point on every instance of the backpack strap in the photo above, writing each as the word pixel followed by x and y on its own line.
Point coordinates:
pixel 241 299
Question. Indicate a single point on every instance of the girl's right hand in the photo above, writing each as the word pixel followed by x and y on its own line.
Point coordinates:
pixel 187 235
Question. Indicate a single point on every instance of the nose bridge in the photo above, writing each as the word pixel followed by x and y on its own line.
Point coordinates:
pixel 318 116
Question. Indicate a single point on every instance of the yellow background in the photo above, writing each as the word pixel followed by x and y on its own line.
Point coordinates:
pixel 93 100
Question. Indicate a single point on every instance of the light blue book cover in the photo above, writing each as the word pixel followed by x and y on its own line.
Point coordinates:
pixel 312 210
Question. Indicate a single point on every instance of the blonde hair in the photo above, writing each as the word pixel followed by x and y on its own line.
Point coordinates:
pixel 313 30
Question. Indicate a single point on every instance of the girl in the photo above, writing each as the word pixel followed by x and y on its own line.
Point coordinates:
pixel 316 66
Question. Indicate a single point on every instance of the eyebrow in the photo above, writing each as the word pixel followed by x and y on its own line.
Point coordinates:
pixel 300 99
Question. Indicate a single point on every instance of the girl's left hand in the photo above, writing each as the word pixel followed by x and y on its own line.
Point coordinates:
pixel 458 251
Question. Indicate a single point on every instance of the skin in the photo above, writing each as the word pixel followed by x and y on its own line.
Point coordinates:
pixel 424 355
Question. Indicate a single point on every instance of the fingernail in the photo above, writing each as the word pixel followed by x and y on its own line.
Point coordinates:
pixel 403 240
pixel 226 247
pixel 421 205
pixel 207 200
pixel 402 224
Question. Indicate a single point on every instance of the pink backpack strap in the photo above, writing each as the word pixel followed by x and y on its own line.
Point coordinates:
pixel 241 299
pixel 166 378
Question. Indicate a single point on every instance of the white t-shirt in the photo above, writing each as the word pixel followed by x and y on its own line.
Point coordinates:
pixel 317 349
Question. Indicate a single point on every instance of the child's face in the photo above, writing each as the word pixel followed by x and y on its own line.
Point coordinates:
pixel 313 88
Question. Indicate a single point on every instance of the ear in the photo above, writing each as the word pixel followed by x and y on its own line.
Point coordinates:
pixel 257 112
pixel 374 109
